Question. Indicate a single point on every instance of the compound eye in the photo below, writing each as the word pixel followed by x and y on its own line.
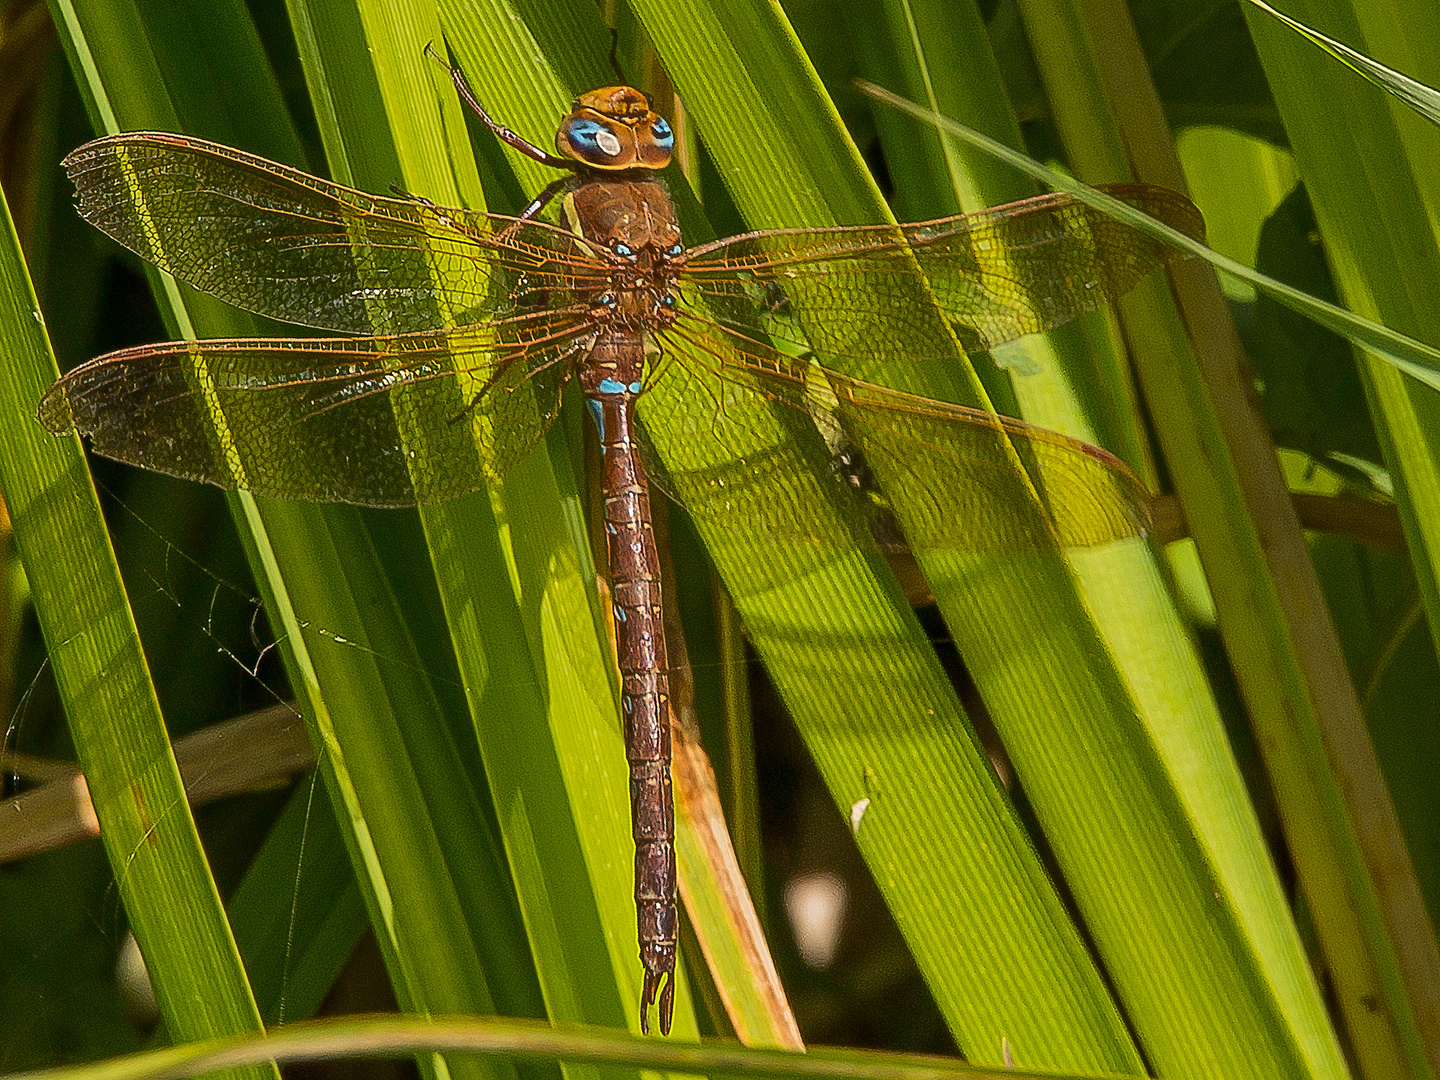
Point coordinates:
pixel 591 141
pixel 624 250
pixel 675 250
pixel 654 143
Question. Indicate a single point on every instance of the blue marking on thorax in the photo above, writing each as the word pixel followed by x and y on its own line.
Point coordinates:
pixel 613 386
pixel 597 413
pixel 635 387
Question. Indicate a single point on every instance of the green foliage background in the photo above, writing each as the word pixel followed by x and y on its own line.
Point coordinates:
pixel 1149 897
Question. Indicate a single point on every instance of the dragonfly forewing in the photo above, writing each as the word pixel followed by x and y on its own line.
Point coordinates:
pixel 997 275
pixel 290 246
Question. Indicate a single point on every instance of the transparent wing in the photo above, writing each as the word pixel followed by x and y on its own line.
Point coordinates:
pixel 972 481
pixel 996 275
pixel 376 421
pixel 281 243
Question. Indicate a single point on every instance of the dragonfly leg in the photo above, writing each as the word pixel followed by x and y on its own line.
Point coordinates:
pixel 504 134
pixel 401 193
pixel 504 365
pixel 538 203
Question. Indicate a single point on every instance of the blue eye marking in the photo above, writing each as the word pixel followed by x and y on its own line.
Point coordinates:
pixel 593 136
pixel 663 135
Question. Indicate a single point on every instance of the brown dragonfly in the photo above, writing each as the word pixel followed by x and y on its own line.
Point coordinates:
pixel 464 329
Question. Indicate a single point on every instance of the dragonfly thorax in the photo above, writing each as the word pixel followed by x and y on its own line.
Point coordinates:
pixel 630 224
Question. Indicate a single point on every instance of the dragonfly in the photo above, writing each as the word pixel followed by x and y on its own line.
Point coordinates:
pixel 458 332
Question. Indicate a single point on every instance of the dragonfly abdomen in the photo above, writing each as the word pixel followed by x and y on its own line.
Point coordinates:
pixel 611 383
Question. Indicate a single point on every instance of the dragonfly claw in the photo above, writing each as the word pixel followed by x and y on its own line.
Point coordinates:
pixel 667 1000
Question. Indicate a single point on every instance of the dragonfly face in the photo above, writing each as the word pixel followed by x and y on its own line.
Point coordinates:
pixel 614 129
pixel 447 315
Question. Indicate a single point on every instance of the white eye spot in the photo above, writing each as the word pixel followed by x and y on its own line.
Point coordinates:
pixel 608 143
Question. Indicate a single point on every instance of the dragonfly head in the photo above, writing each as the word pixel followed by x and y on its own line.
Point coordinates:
pixel 613 129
